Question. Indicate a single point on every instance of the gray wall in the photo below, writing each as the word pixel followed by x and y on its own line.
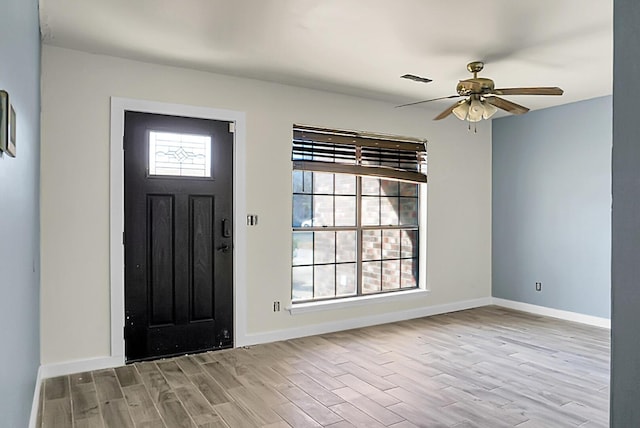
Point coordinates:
pixel 552 207
pixel 19 214
pixel 625 254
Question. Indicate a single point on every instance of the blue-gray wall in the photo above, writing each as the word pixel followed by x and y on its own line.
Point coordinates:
pixel 625 247
pixel 552 207
pixel 19 214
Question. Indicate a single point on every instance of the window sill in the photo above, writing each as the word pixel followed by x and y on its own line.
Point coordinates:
pixel 349 302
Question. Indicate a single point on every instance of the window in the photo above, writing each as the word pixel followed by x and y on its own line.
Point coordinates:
pixel 185 155
pixel 355 214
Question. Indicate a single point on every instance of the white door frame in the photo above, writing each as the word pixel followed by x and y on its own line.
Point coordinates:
pixel 118 107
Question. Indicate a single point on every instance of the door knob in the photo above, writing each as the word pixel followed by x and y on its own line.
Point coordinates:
pixel 224 248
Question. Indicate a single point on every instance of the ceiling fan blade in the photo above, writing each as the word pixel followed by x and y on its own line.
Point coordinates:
pixel 449 110
pixel 416 78
pixel 509 106
pixel 529 91
pixel 426 101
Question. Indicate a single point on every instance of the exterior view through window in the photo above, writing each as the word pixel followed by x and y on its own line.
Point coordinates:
pixel 355 214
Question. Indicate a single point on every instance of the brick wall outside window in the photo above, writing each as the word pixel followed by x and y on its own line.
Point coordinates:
pixel 326 232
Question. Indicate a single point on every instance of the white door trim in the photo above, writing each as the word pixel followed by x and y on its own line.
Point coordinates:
pixel 116 251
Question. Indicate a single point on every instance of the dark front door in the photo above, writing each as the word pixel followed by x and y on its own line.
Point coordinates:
pixel 178 235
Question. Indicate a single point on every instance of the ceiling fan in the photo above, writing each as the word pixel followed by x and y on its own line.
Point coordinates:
pixel 480 93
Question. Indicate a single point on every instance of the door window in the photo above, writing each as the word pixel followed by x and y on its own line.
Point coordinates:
pixel 182 155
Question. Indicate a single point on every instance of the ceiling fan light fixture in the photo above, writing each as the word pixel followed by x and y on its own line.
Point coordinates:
pixel 476 110
pixel 462 110
pixel 489 110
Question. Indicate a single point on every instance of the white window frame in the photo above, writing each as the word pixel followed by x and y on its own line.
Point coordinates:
pixel 392 296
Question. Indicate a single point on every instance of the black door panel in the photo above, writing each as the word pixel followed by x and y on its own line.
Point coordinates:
pixel 178 286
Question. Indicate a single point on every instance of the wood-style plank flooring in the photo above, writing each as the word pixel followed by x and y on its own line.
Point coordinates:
pixel 487 367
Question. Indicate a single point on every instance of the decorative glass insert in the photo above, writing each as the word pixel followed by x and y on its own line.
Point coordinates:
pixel 183 155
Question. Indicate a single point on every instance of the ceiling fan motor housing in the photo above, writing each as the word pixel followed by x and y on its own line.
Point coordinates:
pixel 479 85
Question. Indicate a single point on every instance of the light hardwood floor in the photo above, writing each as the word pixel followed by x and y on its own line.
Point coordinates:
pixel 487 367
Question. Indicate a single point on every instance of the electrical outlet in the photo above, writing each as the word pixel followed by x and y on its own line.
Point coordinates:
pixel 538 286
pixel 276 306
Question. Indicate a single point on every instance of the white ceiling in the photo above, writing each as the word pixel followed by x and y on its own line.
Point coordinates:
pixel 356 47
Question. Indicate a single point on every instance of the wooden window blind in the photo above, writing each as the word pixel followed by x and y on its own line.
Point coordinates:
pixel 349 152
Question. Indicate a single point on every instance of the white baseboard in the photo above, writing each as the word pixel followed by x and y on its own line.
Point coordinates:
pixel 330 327
pixel 555 313
pixel 79 366
pixel 33 418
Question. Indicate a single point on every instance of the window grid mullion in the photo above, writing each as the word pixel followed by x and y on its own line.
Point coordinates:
pixel 383 227
pixel 333 197
pixel 399 250
pixel 380 263
pixel 313 241
pixel 313 267
pixel 358 235
pixel 335 262
pixel 324 229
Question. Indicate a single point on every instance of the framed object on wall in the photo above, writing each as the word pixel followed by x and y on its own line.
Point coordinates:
pixel 11 142
pixel 4 120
